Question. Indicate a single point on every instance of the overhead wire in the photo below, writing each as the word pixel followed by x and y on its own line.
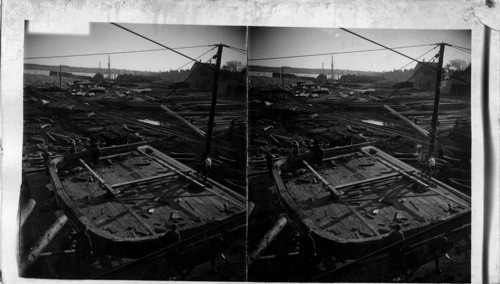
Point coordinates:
pixel 402 54
pixel 177 52
pixel 411 77
pixel 237 50
pixel 460 49
pixel 113 52
pixel 334 53
pixel 153 41
pixel 187 78
pixel 197 57
pixel 419 57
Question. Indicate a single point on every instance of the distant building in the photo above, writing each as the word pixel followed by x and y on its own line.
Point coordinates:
pixel 63 74
pixel 353 78
pixel 231 84
pixel 459 88
pixel 202 76
pixel 425 76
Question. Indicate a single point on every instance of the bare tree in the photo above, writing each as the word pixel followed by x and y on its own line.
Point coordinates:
pixel 457 64
pixel 233 66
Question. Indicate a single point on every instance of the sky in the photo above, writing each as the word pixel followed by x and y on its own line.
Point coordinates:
pixel 265 42
pixel 105 37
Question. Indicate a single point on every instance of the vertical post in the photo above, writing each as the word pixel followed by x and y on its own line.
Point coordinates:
pixel 432 133
pixel 283 84
pixel 211 118
pixel 60 85
pixel 333 77
pixel 283 77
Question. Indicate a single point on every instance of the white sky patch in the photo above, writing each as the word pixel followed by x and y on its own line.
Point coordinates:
pixel 55 27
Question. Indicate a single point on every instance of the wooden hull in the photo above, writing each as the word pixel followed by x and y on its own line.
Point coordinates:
pixel 462 185
pixel 328 243
pixel 137 245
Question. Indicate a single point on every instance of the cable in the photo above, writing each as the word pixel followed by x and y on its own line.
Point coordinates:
pixel 391 49
pixel 418 57
pixel 237 50
pixel 461 47
pixel 181 54
pixel 197 57
pixel 411 77
pixel 241 49
pixel 185 80
pixel 153 41
pixel 114 52
pixel 332 53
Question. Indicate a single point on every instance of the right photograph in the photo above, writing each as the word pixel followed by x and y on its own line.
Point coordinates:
pixel 359 155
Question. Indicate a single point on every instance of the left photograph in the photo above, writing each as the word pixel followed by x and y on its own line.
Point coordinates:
pixel 134 153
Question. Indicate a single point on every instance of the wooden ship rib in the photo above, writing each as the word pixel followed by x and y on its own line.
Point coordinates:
pixel 350 203
pixel 126 204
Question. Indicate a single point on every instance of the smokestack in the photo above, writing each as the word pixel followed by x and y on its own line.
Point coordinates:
pixel 109 68
pixel 333 78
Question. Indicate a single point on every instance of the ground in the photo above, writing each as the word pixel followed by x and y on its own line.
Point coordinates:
pixel 356 115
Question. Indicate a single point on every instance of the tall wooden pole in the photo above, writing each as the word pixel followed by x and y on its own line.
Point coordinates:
pixel 60 84
pixel 434 119
pixel 30 258
pixel 283 84
pixel 211 118
pixel 283 77
pixel 333 77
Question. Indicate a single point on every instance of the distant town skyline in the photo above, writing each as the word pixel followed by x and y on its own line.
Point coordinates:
pixel 107 38
pixel 270 42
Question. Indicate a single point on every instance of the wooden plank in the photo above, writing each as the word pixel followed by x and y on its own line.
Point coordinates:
pixel 450 198
pixel 353 210
pixel 126 154
pixel 26 211
pixel 198 131
pixel 114 193
pixel 191 179
pixel 331 187
pixel 366 181
pixel 398 170
pixel 151 178
pixel 418 128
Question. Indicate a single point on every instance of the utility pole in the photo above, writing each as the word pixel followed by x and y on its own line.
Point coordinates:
pixel 283 77
pixel 211 118
pixel 109 68
pixel 60 85
pixel 435 111
pixel 333 78
pixel 283 84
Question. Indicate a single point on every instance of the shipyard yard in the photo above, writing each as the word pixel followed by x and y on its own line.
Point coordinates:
pixel 356 175
pixel 234 169
pixel 53 122
pixel 289 127
pixel 135 175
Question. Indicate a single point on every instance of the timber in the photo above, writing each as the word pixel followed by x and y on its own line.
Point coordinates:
pixel 331 188
pixel 42 243
pixel 142 180
pixel 26 211
pixel 267 239
pixel 114 194
pixel 198 131
pixel 418 128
